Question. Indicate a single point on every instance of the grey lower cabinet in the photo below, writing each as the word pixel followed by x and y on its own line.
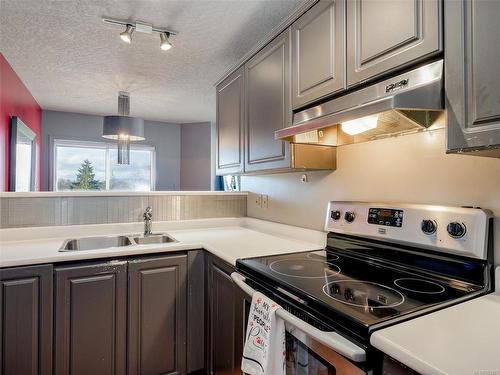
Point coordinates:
pixel 384 35
pixel 157 315
pixel 267 105
pixel 121 317
pixel 227 317
pixel 318 52
pixel 230 109
pixel 26 320
pixel 91 319
pixel 472 79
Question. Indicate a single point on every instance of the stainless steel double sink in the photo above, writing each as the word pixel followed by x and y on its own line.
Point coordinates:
pixel 103 242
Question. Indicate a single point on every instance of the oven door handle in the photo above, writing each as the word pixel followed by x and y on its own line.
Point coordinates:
pixel 331 339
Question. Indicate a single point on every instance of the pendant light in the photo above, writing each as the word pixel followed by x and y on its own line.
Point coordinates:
pixel 123 128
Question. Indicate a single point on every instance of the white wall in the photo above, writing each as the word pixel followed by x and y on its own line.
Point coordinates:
pixel 410 169
pixel 196 156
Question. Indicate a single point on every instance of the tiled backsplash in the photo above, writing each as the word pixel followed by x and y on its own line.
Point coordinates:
pixel 25 211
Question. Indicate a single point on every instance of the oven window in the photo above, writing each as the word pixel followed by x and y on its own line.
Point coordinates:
pixel 300 360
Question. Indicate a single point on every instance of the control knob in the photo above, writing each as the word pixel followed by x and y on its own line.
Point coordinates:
pixel 456 229
pixel 335 215
pixel 349 216
pixel 428 226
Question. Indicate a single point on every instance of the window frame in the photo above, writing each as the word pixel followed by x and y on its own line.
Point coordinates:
pixel 108 147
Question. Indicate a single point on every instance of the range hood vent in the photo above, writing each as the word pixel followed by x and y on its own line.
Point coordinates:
pixel 406 103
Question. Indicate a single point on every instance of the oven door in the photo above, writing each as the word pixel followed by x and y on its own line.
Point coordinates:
pixel 310 351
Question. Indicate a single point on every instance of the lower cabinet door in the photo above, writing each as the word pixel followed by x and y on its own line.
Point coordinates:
pixel 157 316
pixel 26 320
pixel 227 320
pixel 90 319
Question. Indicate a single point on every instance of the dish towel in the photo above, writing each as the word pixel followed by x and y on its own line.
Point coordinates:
pixel 264 351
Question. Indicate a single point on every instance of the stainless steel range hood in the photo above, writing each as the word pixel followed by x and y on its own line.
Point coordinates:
pixel 405 103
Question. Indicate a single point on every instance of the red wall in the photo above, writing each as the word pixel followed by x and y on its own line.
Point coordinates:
pixel 16 100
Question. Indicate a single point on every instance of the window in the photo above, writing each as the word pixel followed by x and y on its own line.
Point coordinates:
pixel 81 165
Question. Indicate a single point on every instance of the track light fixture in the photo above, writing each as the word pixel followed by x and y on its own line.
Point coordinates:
pixel 127 34
pixel 165 44
pixel 141 27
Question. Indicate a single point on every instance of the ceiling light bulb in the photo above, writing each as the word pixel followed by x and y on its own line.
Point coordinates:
pixel 165 44
pixel 360 125
pixel 127 34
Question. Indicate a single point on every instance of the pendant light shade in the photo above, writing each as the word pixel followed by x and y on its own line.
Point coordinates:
pixel 123 128
pixel 114 127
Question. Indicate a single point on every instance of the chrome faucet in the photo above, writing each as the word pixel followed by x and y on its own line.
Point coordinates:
pixel 148 219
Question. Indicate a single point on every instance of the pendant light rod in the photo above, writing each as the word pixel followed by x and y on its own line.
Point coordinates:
pixel 123 103
pixel 138 26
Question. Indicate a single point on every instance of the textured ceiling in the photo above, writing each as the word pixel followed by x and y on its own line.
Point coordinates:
pixel 71 61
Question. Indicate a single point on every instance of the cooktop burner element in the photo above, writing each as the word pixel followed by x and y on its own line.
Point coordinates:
pixel 304 268
pixel 318 255
pixel 363 294
pixel 419 285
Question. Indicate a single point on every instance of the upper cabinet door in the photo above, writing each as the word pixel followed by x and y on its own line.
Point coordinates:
pixel 267 81
pixel 318 63
pixel 472 79
pixel 230 124
pixel 383 35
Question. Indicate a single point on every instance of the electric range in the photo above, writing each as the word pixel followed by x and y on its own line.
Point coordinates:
pixel 382 264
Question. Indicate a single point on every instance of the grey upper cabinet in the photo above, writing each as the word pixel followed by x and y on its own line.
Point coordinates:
pixel 26 320
pixel 90 319
pixel 472 79
pixel 318 52
pixel 267 105
pixel 157 315
pixel 383 35
pixel 230 102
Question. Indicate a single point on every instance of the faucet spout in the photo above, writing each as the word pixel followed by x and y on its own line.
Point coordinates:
pixel 148 220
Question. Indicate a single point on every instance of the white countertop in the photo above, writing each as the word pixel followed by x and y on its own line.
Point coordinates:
pixel 229 239
pixel 462 339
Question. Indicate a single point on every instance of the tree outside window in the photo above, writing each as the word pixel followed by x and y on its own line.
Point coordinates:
pixel 88 166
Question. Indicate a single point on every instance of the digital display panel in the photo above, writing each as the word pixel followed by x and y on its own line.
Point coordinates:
pixel 385 213
pixel 385 216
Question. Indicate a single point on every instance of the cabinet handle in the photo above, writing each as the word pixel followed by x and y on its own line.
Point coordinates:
pixel 330 339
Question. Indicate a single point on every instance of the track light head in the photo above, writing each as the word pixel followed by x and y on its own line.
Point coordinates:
pixel 165 44
pixel 126 36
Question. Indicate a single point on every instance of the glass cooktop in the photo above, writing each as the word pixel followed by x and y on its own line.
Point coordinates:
pixel 359 288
